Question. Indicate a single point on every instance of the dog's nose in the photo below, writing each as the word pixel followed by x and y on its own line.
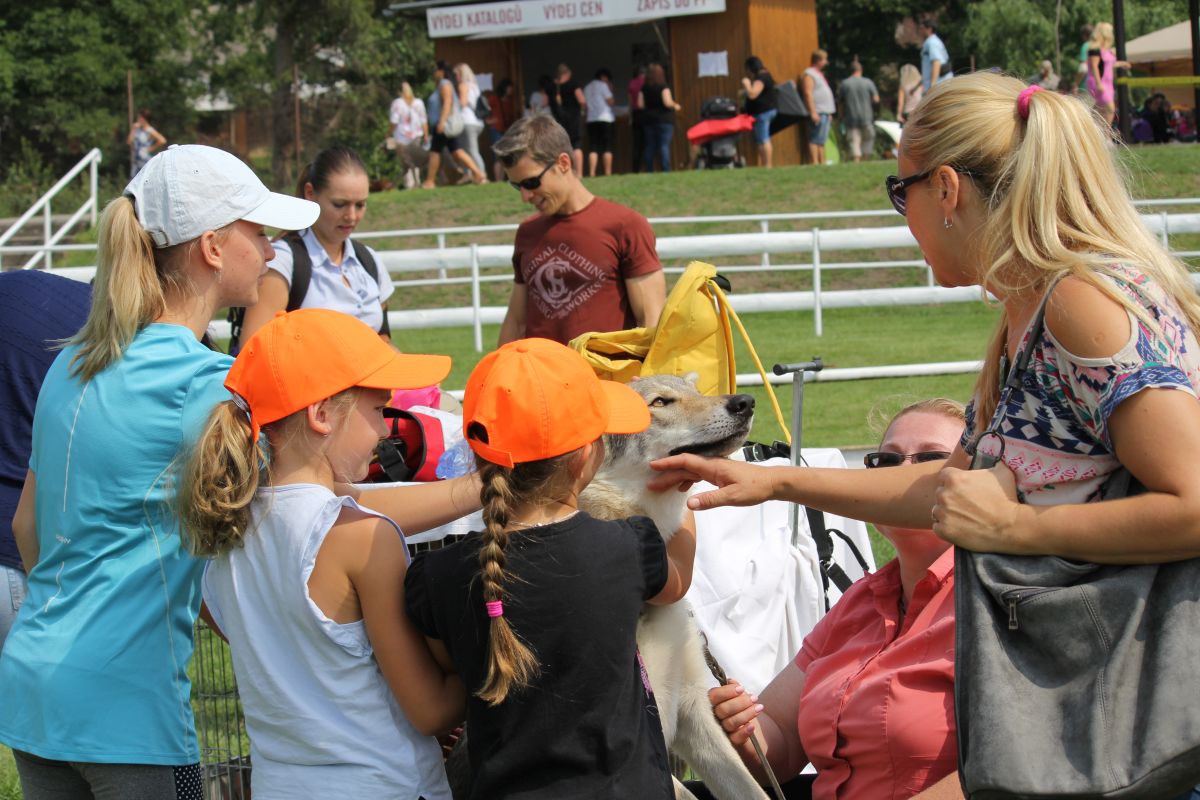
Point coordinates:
pixel 740 404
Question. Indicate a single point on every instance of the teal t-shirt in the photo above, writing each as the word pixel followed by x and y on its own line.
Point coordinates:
pixel 95 668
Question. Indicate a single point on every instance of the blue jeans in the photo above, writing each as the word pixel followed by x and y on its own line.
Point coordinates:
pixel 658 141
pixel 762 126
pixel 12 594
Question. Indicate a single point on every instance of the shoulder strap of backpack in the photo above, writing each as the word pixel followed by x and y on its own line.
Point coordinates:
pixel 363 253
pixel 301 270
pixel 830 569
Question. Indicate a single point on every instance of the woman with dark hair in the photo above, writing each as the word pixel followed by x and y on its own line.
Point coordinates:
pixel 761 103
pixel 660 109
pixel 343 275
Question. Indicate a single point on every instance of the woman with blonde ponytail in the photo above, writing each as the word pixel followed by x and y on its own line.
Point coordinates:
pixel 538 611
pixel 304 581
pixel 97 696
pixel 1018 191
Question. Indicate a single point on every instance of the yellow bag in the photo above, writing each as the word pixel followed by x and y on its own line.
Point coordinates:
pixel 693 335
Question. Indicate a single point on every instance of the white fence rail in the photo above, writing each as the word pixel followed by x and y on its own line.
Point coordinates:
pixel 50 237
pixel 815 243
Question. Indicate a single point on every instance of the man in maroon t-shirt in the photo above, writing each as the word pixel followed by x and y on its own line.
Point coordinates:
pixel 582 263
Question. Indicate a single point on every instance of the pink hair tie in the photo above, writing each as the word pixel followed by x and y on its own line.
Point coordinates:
pixel 495 608
pixel 1023 100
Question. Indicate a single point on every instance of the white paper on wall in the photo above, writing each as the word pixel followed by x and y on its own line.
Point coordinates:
pixel 714 64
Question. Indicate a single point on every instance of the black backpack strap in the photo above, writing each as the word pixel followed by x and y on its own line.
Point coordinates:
pixel 301 270
pixel 830 570
pixel 363 253
pixel 236 316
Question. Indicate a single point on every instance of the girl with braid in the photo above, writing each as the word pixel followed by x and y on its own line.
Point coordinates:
pixel 538 611
pixel 342 697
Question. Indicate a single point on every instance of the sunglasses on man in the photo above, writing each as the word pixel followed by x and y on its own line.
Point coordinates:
pixel 897 187
pixel 873 460
pixel 531 184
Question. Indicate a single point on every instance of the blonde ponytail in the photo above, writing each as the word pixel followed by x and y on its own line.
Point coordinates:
pixel 132 282
pixel 1056 199
pixel 220 478
pixel 511 664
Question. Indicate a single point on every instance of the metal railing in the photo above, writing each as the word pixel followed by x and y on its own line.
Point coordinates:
pixel 816 242
pixel 51 237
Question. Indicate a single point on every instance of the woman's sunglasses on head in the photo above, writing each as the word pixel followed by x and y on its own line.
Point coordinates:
pixel 897 187
pixel 873 460
pixel 531 184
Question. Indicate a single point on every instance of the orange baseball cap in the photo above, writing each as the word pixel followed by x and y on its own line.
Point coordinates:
pixel 305 356
pixel 535 398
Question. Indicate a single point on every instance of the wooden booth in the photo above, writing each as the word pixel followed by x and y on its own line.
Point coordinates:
pixel 702 43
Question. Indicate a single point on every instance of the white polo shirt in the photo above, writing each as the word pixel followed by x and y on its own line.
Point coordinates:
pixel 363 298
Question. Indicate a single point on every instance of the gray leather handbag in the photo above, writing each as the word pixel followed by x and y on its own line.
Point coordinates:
pixel 1075 680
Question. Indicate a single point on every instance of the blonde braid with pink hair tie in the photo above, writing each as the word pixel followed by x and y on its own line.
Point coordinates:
pixel 1023 100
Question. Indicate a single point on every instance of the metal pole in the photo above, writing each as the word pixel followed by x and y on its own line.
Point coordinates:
pixel 476 309
pixel 797 371
pixel 1124 122
pixel 1166 230
pixel 296 111
pixel 129 103
pixel 1194 18
pixel 48 232
pixel 818 320
pixel 95 189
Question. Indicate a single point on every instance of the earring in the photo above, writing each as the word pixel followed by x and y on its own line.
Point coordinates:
pixel 947 224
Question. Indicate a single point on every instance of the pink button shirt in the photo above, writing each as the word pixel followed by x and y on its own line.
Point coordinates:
pixel 877 712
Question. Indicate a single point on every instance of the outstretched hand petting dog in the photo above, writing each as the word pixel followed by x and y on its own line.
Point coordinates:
pixel 740 484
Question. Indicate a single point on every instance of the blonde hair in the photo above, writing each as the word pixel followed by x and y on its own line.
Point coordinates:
pixel 133 281
pixel 1102 36
pixel 511 664
pixel 406 92
pixel 224 468
pixel 1056 200
pixel 880 421
pixel 910 76
pixel 464 73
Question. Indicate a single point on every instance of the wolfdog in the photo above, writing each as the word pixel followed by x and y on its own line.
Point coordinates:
pixel 681 421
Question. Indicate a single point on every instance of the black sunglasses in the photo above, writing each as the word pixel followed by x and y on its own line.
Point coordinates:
pixel 897 187
pixel 873 460
pixel 531 184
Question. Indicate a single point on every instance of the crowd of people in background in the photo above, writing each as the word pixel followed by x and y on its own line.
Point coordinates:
pixel 595 118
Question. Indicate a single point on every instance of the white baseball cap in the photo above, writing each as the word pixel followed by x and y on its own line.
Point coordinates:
pixel 188 189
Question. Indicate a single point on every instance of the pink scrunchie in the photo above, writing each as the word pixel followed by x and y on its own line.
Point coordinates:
pixel 495 608
pixel 1023 100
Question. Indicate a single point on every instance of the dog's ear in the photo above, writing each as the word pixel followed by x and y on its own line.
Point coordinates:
pixel 692 378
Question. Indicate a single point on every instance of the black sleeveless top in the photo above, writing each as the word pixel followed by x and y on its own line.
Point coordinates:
pixel 656 111
pixel 766 99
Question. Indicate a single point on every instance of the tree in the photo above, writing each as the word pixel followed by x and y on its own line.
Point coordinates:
pixel 62 75
pixel 350 57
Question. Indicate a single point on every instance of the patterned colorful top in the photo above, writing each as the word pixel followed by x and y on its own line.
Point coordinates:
pixel 1055 427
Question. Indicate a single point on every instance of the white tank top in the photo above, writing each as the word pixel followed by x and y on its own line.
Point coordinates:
pixel 321 718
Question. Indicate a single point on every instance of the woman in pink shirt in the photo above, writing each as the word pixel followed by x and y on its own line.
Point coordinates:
pixel 869 699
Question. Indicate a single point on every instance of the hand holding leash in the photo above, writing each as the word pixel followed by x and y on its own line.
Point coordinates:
pixel 732 700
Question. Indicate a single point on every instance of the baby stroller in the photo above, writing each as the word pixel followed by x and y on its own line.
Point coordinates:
pixel 715 136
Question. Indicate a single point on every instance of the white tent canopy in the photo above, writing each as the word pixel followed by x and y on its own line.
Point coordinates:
pixel 1167 44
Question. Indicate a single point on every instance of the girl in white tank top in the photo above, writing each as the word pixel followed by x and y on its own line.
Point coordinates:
pixel 342 696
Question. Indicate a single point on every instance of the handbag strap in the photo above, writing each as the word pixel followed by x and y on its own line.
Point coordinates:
pixel 1017 370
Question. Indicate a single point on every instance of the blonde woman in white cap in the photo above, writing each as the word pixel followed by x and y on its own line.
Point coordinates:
pixel 96 692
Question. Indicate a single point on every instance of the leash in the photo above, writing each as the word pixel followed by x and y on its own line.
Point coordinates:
pixel 721 677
